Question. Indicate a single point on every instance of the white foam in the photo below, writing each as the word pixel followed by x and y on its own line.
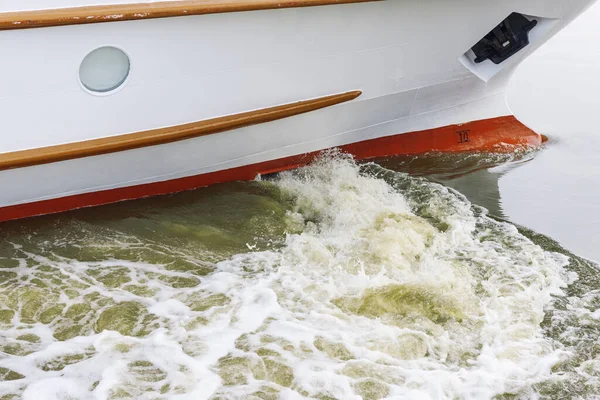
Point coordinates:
pixel 360 234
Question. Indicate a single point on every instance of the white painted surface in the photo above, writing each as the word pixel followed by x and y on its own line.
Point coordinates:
pixel 403 55
pixel 29 5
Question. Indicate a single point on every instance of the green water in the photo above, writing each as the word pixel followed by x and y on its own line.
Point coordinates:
pixel 336 281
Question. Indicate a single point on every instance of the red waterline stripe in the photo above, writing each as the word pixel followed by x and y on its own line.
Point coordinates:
pixel 501 134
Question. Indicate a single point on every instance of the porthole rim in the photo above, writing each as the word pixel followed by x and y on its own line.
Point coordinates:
pixel 112 91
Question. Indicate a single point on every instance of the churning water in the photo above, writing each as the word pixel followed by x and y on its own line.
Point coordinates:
pixel 335 281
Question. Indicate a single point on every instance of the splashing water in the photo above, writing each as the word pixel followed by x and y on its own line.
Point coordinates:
pixel 335 281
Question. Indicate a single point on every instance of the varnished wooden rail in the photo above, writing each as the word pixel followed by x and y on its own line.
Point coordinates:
pixel 87 148
pixel 136 11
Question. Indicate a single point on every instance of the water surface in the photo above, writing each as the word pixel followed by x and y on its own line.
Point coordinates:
pixel 336 281
pixel 556 92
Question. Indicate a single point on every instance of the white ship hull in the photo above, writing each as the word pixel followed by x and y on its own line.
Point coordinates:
pixel 409 60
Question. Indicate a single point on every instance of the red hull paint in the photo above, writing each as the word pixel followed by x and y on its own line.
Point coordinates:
pixel 502 134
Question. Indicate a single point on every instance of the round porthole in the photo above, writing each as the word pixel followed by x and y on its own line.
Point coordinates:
pixel 104 69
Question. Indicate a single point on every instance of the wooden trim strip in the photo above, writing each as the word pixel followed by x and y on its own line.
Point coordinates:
pixel 88 148
pixel 136 11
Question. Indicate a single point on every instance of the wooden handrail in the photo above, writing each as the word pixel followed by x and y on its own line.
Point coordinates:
pixel 112 144
pixel 136 11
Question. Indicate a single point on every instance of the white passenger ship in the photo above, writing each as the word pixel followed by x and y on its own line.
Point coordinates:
pixel 108 102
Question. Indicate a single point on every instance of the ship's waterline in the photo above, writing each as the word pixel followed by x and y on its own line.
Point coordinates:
pixel 367 76
pixel 335 281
